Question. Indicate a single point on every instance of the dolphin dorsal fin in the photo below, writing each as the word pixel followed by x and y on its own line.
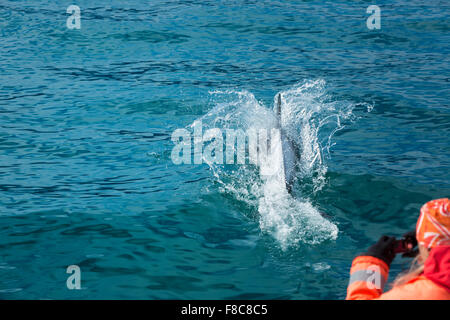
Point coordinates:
pixel 278 109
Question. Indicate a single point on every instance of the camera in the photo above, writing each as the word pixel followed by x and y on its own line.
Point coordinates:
pixel 405 245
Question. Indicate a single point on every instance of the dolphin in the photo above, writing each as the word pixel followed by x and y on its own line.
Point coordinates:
pixel 289 149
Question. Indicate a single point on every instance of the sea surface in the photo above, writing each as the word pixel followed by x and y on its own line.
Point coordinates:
pixel 87 116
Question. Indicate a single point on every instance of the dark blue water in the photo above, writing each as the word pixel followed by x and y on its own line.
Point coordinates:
pixel 86 118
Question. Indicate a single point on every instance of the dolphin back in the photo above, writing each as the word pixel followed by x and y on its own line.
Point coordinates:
pixel 288 149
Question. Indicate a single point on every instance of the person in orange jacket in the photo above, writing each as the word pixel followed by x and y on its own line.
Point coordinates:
pixel 429 275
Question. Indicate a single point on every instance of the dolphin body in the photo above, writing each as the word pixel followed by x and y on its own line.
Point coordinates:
pixel 289 150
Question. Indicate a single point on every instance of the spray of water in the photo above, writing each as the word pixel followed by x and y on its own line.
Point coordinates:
pixel 309 118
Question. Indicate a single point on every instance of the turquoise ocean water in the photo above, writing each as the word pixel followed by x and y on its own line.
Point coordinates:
pixel 86 118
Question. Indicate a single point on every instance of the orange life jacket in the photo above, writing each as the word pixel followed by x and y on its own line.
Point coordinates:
pixel 368 276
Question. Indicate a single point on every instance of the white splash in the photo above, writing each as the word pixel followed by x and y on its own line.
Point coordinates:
pixel 309 118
